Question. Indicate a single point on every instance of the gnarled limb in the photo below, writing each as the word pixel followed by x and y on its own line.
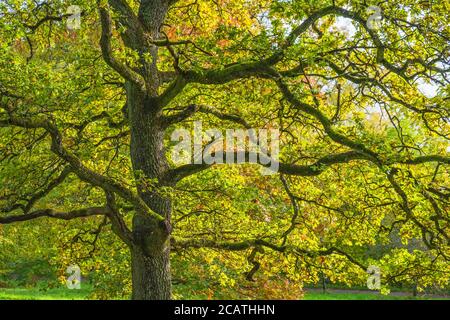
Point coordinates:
pixel 105 44
pixel 76 165
pixel 80 213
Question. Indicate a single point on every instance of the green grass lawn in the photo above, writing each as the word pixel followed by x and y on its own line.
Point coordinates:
pixel 66 294
pixel 39 294
pixel 358 296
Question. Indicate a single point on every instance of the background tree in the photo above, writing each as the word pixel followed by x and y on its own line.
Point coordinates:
pixel 364 150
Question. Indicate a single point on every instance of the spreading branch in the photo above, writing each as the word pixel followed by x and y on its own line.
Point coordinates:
pixel 81 213
pixel 105 43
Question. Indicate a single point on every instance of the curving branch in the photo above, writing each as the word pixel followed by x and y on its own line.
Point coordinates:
pixel 314 169
pixel 194 108
pixel 105 43
pixel 295 207
pixel 178 244
pixel 247 69
pixel 241 70
pixel 84 173
pixel 118 224
pixel 81 213
pixel 52 185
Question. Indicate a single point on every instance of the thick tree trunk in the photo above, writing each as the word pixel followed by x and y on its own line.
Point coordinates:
pixel 151 249
pixel 151 275
pixel 151 246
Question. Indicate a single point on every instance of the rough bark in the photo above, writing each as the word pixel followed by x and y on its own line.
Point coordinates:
pixel 150 275
pixel 150 251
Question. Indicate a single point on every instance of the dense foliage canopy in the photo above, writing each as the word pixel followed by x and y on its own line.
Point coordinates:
pixel 362 106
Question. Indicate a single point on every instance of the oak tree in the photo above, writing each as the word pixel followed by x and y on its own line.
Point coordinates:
pixel 362 107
